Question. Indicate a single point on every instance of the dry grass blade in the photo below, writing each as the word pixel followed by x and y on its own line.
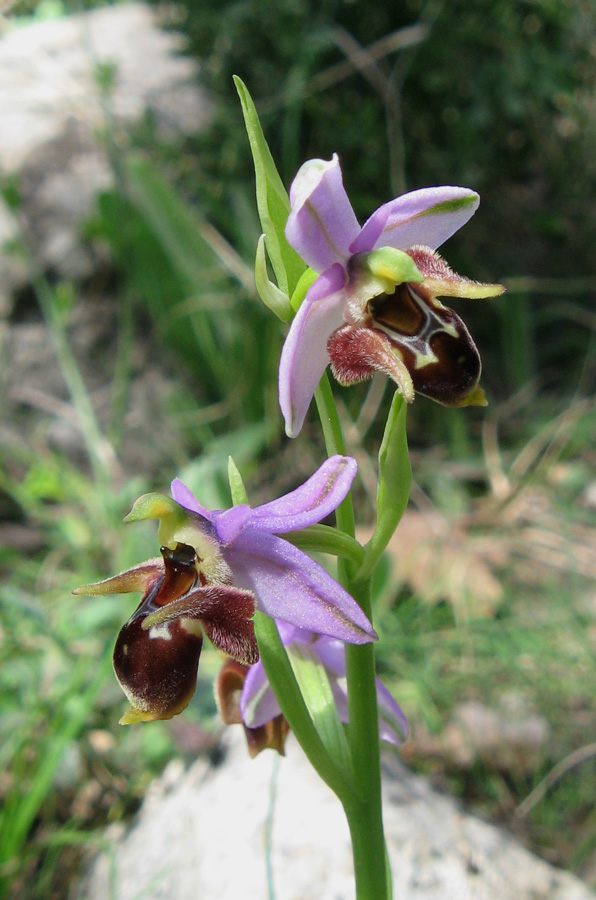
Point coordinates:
pixel 573 759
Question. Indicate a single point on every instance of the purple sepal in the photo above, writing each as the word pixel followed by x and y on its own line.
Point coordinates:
pixel 309 503
pixel 429 217
pixel 304 357
pixel 187 499
pixel 321 225
pixel 294 588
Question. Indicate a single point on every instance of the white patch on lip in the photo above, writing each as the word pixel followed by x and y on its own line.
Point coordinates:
pixel 191 626
pixel 161 631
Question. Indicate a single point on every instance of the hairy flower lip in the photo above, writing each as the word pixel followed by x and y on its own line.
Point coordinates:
pixel 323 229
pixel 415 340
pixel 157 652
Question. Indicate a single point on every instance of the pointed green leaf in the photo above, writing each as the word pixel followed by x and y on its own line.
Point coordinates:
pixel 314 684
pixel 237 489
pixel 393 488
pixel 272 198
pixel 270 294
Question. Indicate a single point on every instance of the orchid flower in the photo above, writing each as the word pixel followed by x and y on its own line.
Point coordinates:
pixel 374 306
pixel 271 734
pixel 216 569
pixel 245 695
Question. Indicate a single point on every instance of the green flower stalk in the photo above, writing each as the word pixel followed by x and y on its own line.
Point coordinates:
pixel 362 300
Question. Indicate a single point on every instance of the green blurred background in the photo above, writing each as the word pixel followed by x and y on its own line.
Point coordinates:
pixel 488 595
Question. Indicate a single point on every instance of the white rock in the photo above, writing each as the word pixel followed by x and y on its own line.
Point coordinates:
pixel 206 839
pixel 48 76
pixel 54 131
pixel 52 113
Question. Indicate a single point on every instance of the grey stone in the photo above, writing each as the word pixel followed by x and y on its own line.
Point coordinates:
pixel 53 111
pixel 48 77
pixel 205 837
pixel 55 129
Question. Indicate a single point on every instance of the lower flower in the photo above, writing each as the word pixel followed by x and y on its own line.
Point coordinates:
pixel 228 693
pixel 245 696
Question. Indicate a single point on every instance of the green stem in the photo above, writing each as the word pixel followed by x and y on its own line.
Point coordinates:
pixel 279 673
pixel 364 813
pixel 334 442
pixel 365 818
pixel 325 539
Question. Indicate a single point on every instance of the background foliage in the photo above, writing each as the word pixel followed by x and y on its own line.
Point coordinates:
pixel 497 95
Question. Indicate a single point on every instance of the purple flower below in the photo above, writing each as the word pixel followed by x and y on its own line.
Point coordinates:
pixel 216 568
pixel 258 705
pixel 287 583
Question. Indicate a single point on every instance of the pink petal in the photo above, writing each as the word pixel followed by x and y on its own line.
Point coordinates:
pixel 187 499
pixel 393 725
pixel 257 703
pixel 304 356
pixel 311 502
pixel 292 587
pixel 321 225
pixel 427 217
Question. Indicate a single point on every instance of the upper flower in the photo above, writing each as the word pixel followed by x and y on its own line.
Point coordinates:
pixel 216 568
pixel 374 305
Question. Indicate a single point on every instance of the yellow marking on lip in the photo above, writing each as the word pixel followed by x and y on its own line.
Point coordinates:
pixel 132 716
pixel 191 626
pixel 425 359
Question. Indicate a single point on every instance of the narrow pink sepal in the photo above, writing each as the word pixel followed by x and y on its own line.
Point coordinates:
pixel 187 499
pixel 304 356
pixel 294 588
pixel 321 225
pixel 428 216
pixel 311 502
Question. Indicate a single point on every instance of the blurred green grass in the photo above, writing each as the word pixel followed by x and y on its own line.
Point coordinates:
pixel 181 231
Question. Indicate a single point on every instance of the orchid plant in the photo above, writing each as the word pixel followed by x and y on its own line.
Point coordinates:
pixel 299 644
